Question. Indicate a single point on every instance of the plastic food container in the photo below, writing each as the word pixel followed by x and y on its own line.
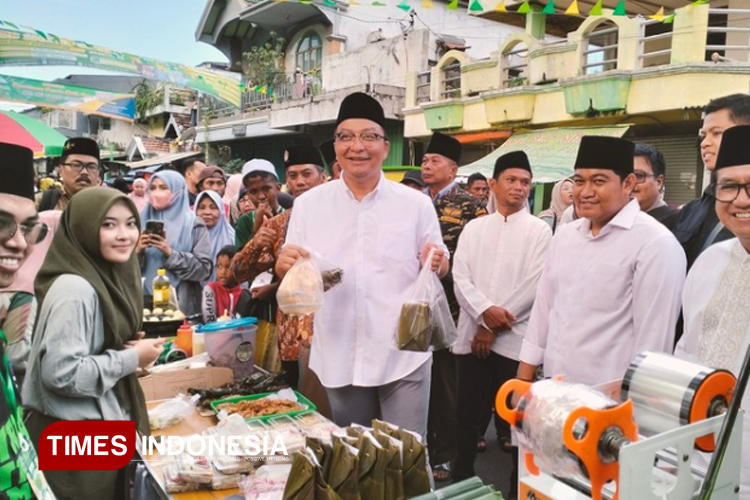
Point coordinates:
pixel 231 344
pixel 268 418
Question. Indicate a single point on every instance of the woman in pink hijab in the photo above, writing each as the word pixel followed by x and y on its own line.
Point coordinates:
pixel 139 195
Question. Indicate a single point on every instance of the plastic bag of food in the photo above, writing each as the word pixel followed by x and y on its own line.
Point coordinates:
pixel 301 290
pixel 425 322
pixel 172 411
pixel 193 469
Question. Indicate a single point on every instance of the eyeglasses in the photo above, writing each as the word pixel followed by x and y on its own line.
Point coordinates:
pixel 640 177
pixel 366 138
pixel 77 166
pixel 32 233
pixel 727 193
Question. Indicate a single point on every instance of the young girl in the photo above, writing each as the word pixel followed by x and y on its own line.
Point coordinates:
pixel 222 295
pixel 87 347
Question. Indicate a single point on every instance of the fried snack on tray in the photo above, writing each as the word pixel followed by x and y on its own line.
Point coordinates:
pixel 260 407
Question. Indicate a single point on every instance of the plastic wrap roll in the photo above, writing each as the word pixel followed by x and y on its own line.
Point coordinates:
pixel 668 392
pixel 542 413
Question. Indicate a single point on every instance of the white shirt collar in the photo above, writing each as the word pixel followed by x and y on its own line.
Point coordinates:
pixel 372 194
pixel 623 219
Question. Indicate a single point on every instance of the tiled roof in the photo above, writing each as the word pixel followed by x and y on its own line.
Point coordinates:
pixel 155 145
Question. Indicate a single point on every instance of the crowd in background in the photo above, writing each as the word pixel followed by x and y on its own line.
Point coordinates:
pixel 79 261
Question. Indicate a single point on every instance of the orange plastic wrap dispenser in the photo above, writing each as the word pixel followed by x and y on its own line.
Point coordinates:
pixel 586 448
pixel 510 415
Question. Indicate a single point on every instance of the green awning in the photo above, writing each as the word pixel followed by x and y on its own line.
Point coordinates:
pixel 552 152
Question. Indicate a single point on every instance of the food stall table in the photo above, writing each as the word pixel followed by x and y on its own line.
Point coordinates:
pixel 194 424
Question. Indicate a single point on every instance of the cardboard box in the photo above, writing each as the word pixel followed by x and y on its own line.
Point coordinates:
pixel 171 383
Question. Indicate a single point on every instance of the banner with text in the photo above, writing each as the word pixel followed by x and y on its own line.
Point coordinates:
pixel 37 48
pixel 56 95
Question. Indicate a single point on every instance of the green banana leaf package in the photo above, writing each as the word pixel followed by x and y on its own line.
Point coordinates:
pixel 372 464
pixel 394 468
pixel 306 481
pixel 416 477
pixel 323 453
pixel 385 428
pixel 343 477
pixel 453 490
pixel 301 482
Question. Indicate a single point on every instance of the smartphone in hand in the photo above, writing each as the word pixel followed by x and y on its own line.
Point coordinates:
pixel 154 227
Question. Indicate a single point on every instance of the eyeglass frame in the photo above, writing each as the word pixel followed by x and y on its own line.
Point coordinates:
pixel 87 166
pixel 27 229
pixel 645 175
pixel 733 184
pixel 339 137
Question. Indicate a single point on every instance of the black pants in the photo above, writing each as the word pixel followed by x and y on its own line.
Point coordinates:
pixel 478 383
pixel 441 420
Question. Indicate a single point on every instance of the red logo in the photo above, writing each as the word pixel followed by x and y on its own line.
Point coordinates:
pixel 87 445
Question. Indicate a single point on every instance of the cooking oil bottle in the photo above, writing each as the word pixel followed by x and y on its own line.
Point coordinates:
pixel 161 290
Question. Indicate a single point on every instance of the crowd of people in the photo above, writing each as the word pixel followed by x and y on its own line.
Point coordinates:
pixel 598 277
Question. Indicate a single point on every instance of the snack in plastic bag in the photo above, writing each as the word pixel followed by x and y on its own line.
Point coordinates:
pixel 174 484
pixel 301 290
pixel 194 469
pixel 172 411
pixel 425 322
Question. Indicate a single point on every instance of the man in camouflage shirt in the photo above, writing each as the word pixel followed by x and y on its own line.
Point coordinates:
pixel 455 208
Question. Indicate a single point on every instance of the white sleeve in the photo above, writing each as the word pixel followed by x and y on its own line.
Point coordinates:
pixel 659 274
pixel 472 300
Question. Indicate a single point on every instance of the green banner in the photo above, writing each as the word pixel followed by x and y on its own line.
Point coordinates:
pixel 36 48
pixel 552 152
pixel 55 95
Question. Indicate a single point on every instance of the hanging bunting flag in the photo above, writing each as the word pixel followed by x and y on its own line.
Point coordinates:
pixel 596 10
pixel 699 2
pixel 659 16
pixel 501 7
pixel 378 4
pixel 572 10
pixel 525 8
pixel 476 6
pixel 453 5
pixel 669 19
pixel 549 8
pixel 404 6
pixel 427 4
pixel 620 9
pixel 329 3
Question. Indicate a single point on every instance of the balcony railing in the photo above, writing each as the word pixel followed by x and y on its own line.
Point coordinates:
pixel 655 48
pixel 253 101
pixel 423 86
pixel 728 34
pixel 516 61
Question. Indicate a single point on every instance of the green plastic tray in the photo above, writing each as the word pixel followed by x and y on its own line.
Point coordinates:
pixel 300 399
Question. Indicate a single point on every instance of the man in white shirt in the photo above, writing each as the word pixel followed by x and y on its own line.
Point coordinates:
pixel 716 300
pixel 611 285
pixel 496 270
pixel 380 234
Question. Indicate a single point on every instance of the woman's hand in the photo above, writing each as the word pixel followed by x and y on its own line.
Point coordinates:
pixel 143 243
pixel 160 243
pixel 131 343
pixel 148 350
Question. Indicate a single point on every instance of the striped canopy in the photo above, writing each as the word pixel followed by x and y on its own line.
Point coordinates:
pixel 42 139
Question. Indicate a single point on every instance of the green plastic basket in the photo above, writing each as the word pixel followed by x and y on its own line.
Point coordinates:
pixel 300 399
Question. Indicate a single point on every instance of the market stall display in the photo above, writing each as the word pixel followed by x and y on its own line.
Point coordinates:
pixel 264 406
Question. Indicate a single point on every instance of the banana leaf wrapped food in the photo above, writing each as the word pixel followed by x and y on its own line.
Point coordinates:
pixel 343 476
pixel 394 468
pixel 414 327
pixel 372 464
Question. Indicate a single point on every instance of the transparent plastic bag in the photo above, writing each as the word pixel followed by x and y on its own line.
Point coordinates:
pixel 425 322
pixel 172 411
pixel 301 290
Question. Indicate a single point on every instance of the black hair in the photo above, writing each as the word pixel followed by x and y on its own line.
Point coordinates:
pixel 121 185
pixel 738 106
pixel 653 157
pixel 262 174
pixel 187 165
pixel 227 251
pixel 476 176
